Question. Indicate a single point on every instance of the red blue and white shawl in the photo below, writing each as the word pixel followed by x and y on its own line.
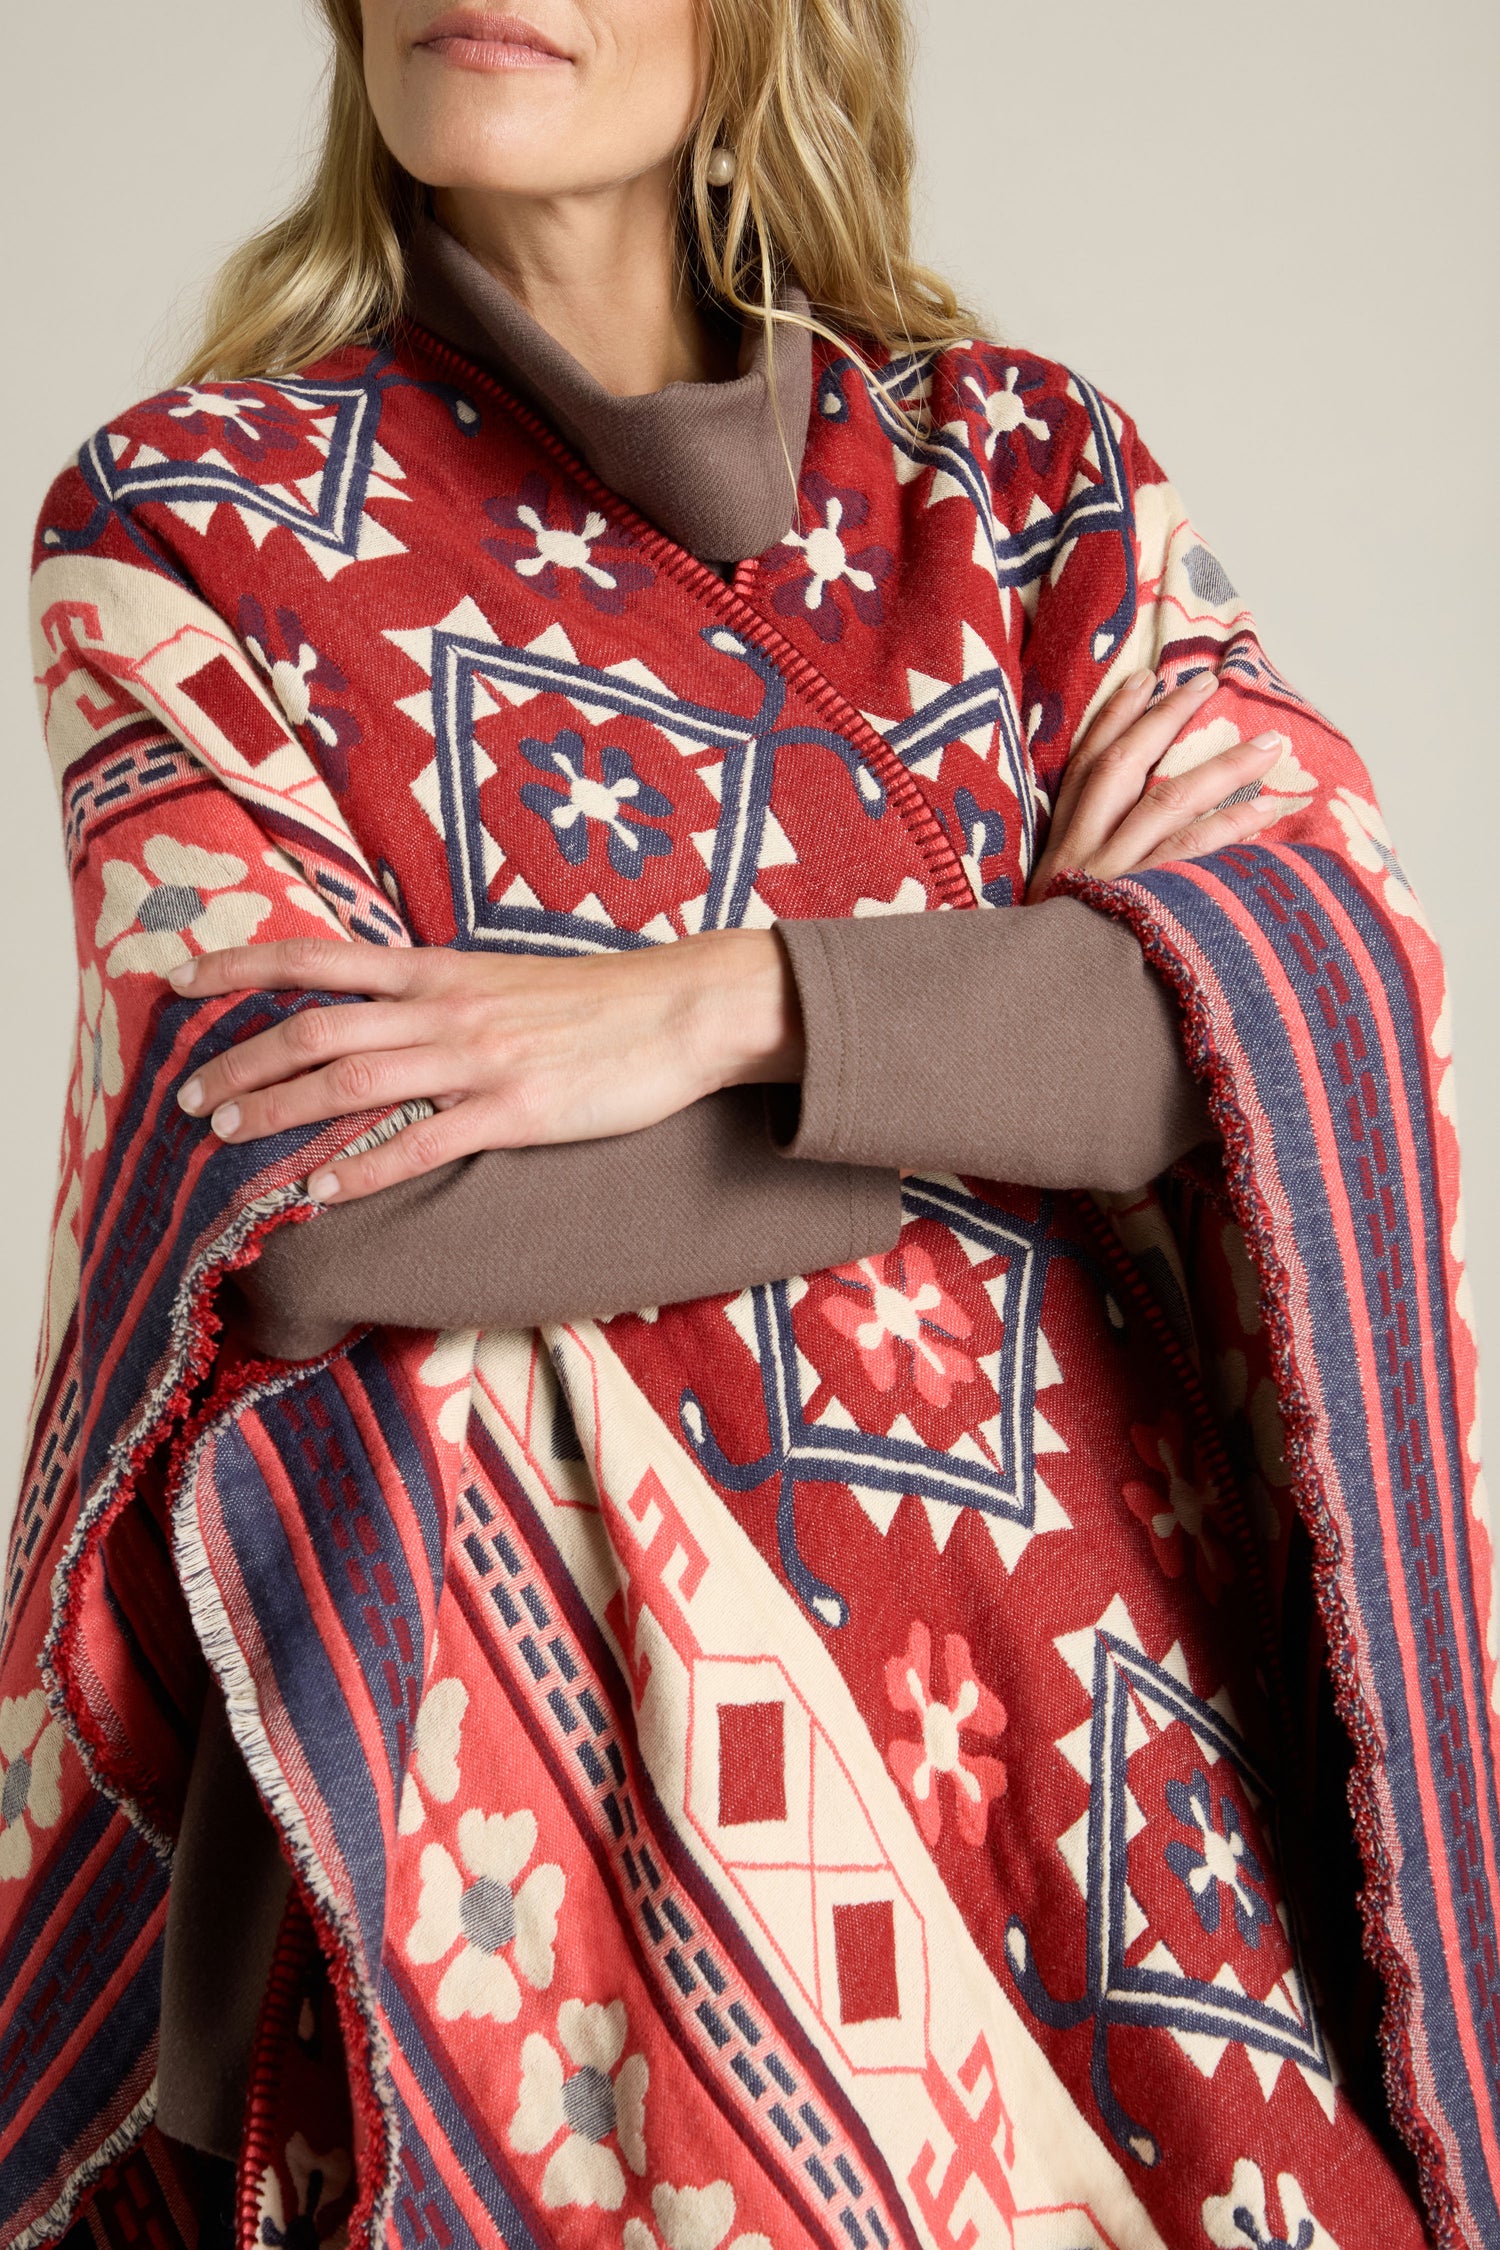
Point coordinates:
pixel 823 1766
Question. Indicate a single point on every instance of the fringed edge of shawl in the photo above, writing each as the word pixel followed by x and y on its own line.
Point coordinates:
pixel 1377 1896
pixel 168 1408
pixel 196 1327
pixel 333 1923
pixel 131 2129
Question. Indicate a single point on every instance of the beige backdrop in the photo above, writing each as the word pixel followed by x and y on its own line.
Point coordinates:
pixel 1269 233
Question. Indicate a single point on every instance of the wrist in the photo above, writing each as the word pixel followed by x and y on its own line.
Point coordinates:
pixel 750 1015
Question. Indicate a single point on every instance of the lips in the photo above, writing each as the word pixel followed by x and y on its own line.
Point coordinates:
pixel 482 38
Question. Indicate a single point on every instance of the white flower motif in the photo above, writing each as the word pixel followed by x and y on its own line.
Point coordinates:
pixel 290 686
pixel 826 558
pixel 218 404
pixel 564 550
pixel 1288 779
pixel 449 1366
pixel 588 799
pixel 1370 847
pixel 31 1748
pixel 1004 411
pixel 146 924
pixel 435 1748
pixel 691 2218
pixel 317 2178
pixel 591 2104
pixel 488 1917
pixel 1240 2220
pixel 100 1075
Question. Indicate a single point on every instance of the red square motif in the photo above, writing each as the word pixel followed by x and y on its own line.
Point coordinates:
pixel 222 695
pixel 752 1763
pixel 864 1945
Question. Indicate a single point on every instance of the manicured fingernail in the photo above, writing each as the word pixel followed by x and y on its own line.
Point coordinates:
pixel 323 1187
pixel 190 1096
pixel 1266 742
pixel 1139 680
pixel 184 976
pixel 225 1119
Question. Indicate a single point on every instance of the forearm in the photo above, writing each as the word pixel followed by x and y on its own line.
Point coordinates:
pixel 1033 1045
pixel 511 1238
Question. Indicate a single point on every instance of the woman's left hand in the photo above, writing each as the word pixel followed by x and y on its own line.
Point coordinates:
pixel 512 1049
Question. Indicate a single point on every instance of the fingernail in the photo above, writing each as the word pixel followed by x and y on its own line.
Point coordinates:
pixel 1202 683
pixel 1266 742
pixel 1137 681
pixel 323 1187
pixel 183 977
pixel 190 1096
pixel 225 1119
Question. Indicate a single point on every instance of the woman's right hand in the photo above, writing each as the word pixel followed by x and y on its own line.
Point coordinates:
pixel 1112 819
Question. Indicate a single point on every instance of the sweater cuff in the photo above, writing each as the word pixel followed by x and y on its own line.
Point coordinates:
pixel 816 1121
pixel 875 1214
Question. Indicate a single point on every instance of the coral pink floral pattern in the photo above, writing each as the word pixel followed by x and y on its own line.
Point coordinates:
pixel 1176 1511
pixel 971 1709
pixel 904 1323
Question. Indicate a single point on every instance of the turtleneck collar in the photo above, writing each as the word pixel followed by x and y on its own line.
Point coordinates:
pixel 706 462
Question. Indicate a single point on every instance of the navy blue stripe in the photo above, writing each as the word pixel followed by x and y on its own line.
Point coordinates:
pixel 151 1085
pixel 83 1838
pixel 316 1708
pixel 1398 1359
pixel 411 1462
pixel 78 1968
pixel 1411 1040
pixel 360 1558
pixel 62 2131
pixel 483 2165
pixel 114 1267
pixel 1264 1036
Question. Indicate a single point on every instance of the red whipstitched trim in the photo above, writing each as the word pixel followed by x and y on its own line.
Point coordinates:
pixel 305 1931
pixel 296 1944
pixel 1214 1458
pixel 901 787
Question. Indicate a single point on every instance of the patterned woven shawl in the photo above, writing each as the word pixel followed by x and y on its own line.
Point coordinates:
pixel 833 1765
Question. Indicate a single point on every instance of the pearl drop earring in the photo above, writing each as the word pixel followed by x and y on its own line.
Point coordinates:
pixel 722 166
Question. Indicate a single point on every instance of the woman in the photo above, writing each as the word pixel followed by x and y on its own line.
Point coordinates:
pixel 858 1752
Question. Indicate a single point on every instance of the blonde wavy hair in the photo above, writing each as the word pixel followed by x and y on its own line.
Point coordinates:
pixel 812 95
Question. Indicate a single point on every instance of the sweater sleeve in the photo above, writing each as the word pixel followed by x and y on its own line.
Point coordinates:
pixel 513 1238
pixel 1026 1044
pixel 1031 1044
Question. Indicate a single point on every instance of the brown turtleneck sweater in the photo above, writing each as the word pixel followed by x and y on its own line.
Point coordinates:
pixel 1024 1044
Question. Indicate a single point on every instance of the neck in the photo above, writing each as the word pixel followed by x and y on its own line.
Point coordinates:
pixel 602 273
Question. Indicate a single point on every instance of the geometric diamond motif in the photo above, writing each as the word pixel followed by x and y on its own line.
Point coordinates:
pixel 473 672
pixel 1219 1879
pixel 995 1478
pixel 325 509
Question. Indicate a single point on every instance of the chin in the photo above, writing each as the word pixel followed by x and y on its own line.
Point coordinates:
pixel 506 144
